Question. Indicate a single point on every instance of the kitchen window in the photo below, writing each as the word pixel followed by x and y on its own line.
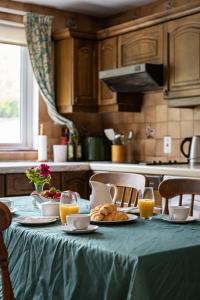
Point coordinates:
pixel 18 99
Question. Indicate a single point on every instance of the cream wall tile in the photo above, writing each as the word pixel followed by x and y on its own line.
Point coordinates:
pixel 186 128
pixel 197 113
pixel 197 127
pixel 159 147
pixel 174 129
pixel 187 114
pixel 139 117
pixel 161 130
pixel 150 147
pixel 150 114
pixel 173 114
pixel 161 113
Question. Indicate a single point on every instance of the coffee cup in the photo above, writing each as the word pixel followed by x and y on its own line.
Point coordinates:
pixel 78 221
pixel 8 203
pixel 178 213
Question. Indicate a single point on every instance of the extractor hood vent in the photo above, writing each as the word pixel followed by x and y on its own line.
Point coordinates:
pixel 134 79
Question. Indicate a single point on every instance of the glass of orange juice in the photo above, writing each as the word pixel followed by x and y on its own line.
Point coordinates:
pixel 68 205
pixel 146 202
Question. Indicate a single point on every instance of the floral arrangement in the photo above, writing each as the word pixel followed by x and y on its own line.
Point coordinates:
pixel 39 175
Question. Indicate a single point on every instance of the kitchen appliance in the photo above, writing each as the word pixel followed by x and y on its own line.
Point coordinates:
pixel 193 153
pixel 134 79
pixel 96 148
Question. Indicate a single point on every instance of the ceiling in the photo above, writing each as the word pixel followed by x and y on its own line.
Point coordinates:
pixel 96 8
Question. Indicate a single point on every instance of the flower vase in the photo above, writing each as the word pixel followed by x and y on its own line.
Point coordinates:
pixel 39 187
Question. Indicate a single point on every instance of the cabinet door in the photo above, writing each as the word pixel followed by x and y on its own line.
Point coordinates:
pixel 63 74
pixel 2 185
pixel 107 50
pixel 17 184
pixel 77 181
pixel 85 66
pixel 183 65
pixel 141 46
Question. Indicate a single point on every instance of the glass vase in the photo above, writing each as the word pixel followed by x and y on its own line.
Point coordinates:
pixel 39 187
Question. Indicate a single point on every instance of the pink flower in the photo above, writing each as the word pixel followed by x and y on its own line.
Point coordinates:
pixel 44 170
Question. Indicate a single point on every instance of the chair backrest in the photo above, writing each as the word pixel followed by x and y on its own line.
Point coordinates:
pixel 178 187
pixel 5 221
pixel 128 185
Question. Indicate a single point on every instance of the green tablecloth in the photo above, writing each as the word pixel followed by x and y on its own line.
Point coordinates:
pixel 145 260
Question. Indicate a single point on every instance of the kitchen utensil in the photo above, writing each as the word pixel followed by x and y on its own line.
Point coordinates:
pixel 110 134
pixel 193 154
pixel 130 135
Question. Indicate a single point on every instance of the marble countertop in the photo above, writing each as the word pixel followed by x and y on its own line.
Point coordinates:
pixel 172 170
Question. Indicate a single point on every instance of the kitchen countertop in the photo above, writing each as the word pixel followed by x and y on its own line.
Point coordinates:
pixel 173 170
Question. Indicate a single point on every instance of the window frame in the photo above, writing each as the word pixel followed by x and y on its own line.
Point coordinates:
pixel 29 97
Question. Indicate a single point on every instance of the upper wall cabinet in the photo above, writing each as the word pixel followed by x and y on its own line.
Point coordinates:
pixel 141 46
pixel 75 72
pixel 183 62
pixel 107 59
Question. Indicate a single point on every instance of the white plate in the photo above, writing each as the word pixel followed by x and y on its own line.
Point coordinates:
pixel 131 218
pixel 135 210
pixel 188 220
pixel 91 228
pixel 35 220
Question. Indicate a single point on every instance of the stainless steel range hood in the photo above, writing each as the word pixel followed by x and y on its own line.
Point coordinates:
pixel 134 79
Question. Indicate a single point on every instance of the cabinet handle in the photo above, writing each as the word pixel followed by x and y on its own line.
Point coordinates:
pixel 75 100
pixel 166 92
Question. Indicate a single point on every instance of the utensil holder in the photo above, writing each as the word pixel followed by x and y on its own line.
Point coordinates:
pixel 118 153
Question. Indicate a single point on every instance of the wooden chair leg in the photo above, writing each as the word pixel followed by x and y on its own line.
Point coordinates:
pixel 166 209
pixel 7 288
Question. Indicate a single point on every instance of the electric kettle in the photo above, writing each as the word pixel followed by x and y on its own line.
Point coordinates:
pixel 193 154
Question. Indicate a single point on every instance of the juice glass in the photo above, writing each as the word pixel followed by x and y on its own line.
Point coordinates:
pixel 146 202
pixel 68 205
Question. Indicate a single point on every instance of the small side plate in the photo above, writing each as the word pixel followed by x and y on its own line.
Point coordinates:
pixel 91 228
pixel 33 220
pixel 131 218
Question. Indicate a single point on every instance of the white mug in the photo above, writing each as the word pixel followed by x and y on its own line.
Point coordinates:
pixel 59 153
pixel 8 203
pixel 178 213
pixel 78 221
pixel 50 208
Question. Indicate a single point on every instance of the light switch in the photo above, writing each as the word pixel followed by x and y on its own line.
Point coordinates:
pixel 167 146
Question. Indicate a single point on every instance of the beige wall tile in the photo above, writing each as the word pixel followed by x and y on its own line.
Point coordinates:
pixel 150 114
pixel 197 127
pixel 197 113
pixel 150 147
pixel 175 148
pixel 174 129
pixel 139 117
pixel 173 114
pixel 159 147
pixel 161 130
pixel 186 128
pixel 161 113
pixel 187 114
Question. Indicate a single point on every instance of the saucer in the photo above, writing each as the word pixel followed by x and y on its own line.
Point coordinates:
pixel 91 228
pixel 188 220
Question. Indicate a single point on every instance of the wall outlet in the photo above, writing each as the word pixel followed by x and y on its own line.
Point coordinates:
pixel 167 144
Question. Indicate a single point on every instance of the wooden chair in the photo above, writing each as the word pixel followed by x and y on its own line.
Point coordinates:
pixel 178 187
pixel 5 221
pixel 128 185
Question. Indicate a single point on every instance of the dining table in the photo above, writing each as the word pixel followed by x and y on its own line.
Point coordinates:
pixel 142 260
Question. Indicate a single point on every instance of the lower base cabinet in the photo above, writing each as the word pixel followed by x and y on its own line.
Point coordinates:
pixel 17 184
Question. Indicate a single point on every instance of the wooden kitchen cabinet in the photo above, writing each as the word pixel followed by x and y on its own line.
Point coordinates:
pixel 182 39
pixel 18 184
pixel 107 59
pixel 141 46
pixel 75 72
pixel 2 185
pixel 76 181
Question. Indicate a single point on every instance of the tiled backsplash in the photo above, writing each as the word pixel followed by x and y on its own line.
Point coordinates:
pixel 178 123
